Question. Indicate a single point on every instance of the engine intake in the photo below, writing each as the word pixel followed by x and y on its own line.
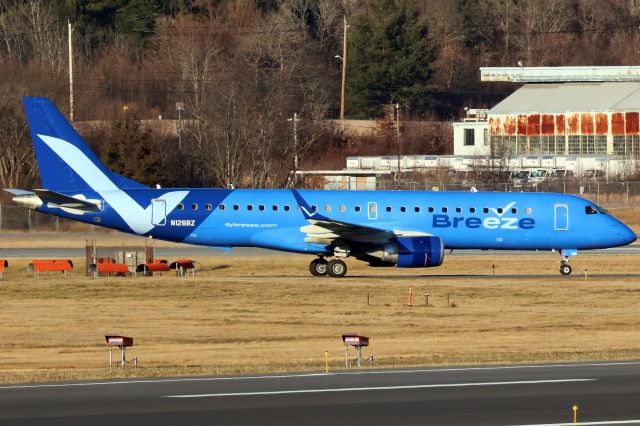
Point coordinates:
pixel 412 252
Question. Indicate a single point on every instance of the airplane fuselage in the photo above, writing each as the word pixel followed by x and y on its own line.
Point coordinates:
pixel 272 218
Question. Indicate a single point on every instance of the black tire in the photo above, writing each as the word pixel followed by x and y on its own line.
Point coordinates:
pixel 318 267
pixel 337 268
pixel 565 269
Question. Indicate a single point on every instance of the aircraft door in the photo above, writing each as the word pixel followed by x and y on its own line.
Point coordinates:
pixel 561 217
pixel 372 211
pixel 158 212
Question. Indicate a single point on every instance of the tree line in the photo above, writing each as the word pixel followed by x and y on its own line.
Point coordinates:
pixel 236 72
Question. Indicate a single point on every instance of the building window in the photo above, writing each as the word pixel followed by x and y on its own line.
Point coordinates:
pixel 534 145
pixel 588 144
pixel 521 147
pixel 469 137
pixel 560 145
pixel 619 145
pixel 574 144
pixel 601 144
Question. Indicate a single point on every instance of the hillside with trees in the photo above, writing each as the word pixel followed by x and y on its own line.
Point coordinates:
pixel 240 70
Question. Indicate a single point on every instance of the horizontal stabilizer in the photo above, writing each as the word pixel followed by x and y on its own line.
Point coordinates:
pixel 67 202
pixel 37 197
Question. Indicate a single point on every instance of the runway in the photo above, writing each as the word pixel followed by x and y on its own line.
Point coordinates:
pixel 605 393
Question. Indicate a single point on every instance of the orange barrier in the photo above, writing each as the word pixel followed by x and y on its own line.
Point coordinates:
pixel 55 265
pixel 156 266
pixel 3 264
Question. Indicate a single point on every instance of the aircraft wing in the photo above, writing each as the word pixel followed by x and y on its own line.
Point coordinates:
pixel 325 230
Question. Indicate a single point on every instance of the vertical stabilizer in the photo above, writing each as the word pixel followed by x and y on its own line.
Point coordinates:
pixel 65 162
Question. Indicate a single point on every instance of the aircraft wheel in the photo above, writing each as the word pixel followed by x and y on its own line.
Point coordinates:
pixel 318 267
pixel 337 268
pixel 565 269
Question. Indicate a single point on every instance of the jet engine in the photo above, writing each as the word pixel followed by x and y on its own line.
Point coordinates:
pixel 411 252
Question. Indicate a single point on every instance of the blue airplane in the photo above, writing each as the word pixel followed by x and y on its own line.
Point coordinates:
pixel 407 229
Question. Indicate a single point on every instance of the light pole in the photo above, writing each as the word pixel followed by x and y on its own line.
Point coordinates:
pixel 179 108
pixel 398 143
pixel 344 71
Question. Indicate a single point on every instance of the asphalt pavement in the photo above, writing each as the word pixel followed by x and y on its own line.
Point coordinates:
pixel 605 393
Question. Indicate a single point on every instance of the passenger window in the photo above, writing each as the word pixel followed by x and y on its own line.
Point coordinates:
pixel 314 208
pixel 261 207
pixel 514 210
pixel 194 206
pixel 236 207
pixel 416 209
pixel 222 207
pixel 403 209
pixel 445 209
pixel 327 208
pixel 486 209
pixel 357 209
pixel 389 209
pixel 180 206
pixel 527 210
pixel 590 210
pixel 458 210
pixel 249 207
pixel 342 208
pixel 500 210
pixel 431 209
pixel 472 209
pixel 286 207
pixel 275 207
pixel 208 207
pixel 372 208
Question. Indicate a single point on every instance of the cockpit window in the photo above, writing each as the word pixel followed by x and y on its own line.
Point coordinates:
pixel 590 210
pixel 602 210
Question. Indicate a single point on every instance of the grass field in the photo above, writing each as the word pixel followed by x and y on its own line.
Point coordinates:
pixel 267 314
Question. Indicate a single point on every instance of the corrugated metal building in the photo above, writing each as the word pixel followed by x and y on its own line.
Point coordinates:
pixel 598 118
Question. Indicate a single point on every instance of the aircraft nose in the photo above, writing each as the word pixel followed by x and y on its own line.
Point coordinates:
pixel 623 234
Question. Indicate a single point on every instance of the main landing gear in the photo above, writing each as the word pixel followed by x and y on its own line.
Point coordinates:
pixel 565 269
pixel 334 268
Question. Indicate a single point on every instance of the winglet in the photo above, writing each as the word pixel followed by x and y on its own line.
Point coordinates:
pixel 307 211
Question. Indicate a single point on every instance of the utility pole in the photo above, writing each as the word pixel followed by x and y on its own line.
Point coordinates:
pixel 295 120
pixel 70 71
pixel 344 71
pixel 398 143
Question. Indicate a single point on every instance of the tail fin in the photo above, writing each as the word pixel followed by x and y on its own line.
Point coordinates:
pixel 64 160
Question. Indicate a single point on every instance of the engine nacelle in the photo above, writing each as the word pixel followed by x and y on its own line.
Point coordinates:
pixel 412 252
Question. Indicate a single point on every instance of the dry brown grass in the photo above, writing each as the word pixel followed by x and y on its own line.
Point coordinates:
pixel 267 314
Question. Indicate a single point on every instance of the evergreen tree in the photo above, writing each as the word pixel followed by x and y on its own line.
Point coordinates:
pixel 389 60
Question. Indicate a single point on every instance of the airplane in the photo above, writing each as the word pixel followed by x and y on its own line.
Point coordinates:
pixel 407 229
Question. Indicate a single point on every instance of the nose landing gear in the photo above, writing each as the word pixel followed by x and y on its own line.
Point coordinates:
pixel 565 269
